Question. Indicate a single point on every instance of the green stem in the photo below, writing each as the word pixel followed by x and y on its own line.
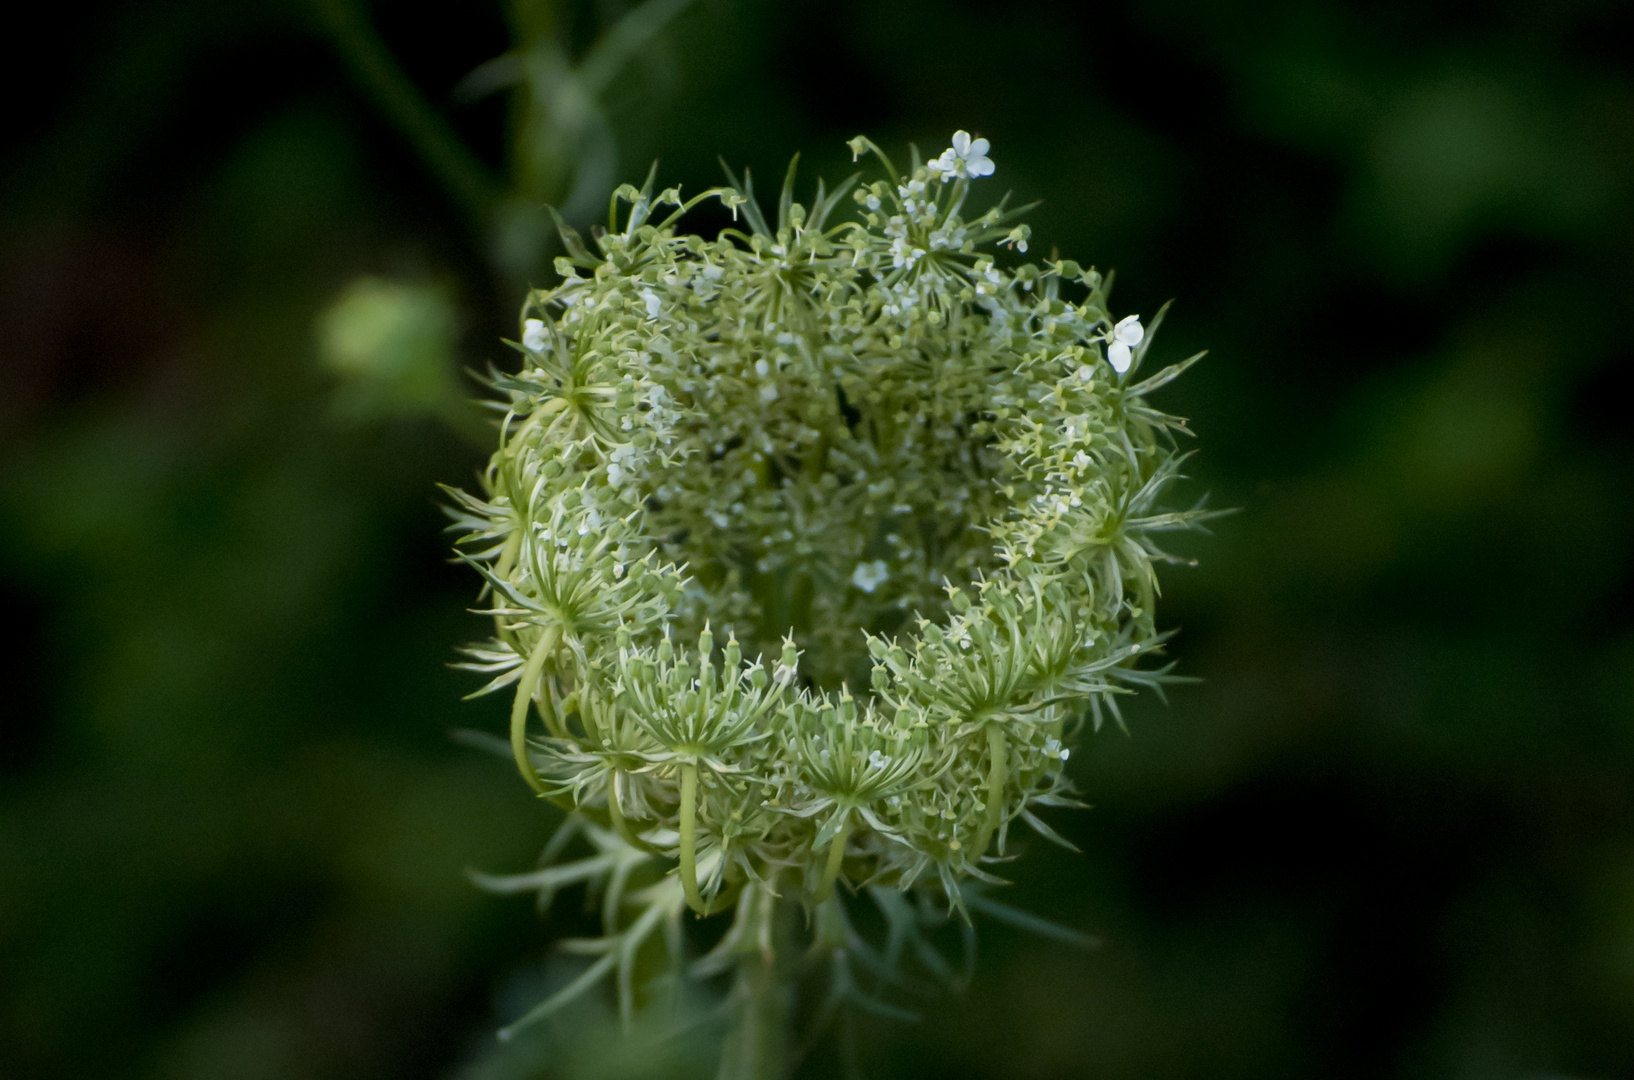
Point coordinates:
pixel 460 172
pixel 689 837
pixel 507 554
pixel 836 855
pixel 755 1047
pixel 525 686
pixel 615 811
pixel 998 777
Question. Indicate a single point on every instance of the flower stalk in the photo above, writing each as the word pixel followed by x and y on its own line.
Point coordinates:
pixel 689 838
pixel 527 687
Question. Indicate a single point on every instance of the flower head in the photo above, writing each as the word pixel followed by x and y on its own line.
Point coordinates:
pixel 924 571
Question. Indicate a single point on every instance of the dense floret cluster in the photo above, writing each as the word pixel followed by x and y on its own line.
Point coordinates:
pixel 812 545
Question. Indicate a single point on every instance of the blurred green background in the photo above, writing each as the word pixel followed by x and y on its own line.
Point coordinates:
pixel 1391 834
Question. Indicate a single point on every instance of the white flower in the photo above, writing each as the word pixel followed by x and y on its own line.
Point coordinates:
pixel 620 462
pixel 1125 336
pixel 878 760
pixel 1054 749
pixel 966 157
pixel 650 298
pixel 533 335
pixel 870 576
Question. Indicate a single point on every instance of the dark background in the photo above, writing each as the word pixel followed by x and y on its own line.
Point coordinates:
pixel 1391 833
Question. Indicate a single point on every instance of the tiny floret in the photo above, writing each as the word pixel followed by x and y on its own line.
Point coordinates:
pixel 967 157
pixel 1125 337
pixel 869 576
pixel 533 335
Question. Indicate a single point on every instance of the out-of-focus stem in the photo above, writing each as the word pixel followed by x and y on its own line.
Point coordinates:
pixel 756 1046
pixel 459 171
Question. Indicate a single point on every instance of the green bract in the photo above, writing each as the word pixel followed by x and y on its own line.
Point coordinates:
pixel 812 545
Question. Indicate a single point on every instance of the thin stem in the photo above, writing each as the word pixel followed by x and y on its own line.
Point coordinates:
pixel 525 687
pixel 466 178
pixel 507 554
pixel 998 777
pixel 689 837
pixel 615 811
pixel 836 856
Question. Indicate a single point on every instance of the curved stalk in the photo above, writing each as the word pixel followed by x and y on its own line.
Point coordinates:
pixel 998 777
pixel 689 837
pixel 836 856
pixel 615 812
pixel 525 687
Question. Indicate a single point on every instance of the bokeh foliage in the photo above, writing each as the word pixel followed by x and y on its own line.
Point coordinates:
pixel 1391 833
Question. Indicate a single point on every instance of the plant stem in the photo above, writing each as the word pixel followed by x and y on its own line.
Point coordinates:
pixel 459 171
pixel 689 837
pixel 526 684
pixel 615 812
pixel 998 776
pixel 836 856
pixel 756 1046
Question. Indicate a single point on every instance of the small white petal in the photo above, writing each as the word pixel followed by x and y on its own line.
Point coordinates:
pixel 870 576
pixel 533 334
pixel 961 142
pixel 1119 356
pixel 652 302
pixel 978 148
pixel 1129 331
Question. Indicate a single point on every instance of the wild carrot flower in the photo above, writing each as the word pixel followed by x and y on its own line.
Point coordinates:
pixel 808 549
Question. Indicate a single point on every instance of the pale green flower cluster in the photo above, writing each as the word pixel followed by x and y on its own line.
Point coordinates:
pixel 812 545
